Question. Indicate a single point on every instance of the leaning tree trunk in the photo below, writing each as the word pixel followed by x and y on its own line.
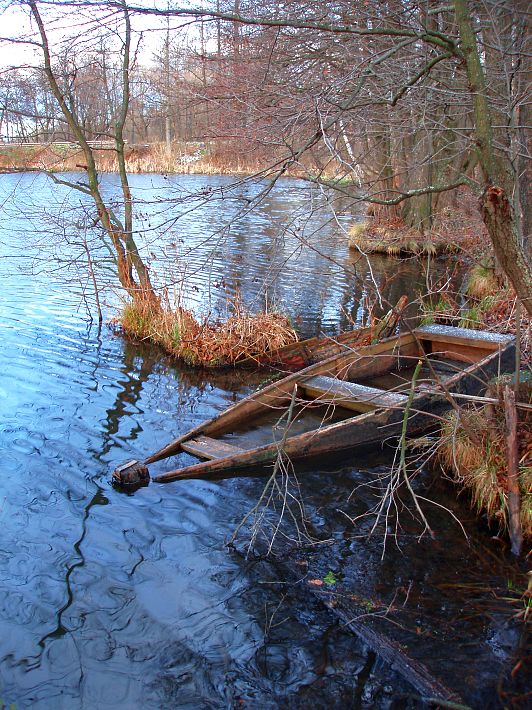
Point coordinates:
pixel 500 220
pixel 126 254
pixel 495 206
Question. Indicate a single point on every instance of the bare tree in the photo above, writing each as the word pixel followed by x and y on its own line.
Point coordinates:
pixel 411 84
pixel 131 269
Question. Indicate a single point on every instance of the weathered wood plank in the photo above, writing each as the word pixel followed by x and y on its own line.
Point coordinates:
pixel 350 395
pixel 450 334
pixel 204 447
pixel 459 351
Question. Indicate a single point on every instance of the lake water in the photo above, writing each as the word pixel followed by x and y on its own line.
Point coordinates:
pixel 109 600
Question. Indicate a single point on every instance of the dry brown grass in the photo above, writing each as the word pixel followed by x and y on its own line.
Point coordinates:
pixel 206 343
pixel 183 158
pixel 395 239
pixel 483 280
pixel 480 466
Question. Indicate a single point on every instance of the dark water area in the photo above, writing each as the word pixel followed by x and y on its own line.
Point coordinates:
pixel 113 600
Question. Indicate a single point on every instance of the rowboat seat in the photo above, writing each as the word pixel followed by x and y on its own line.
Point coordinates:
pixel 204 447
pixel 350 395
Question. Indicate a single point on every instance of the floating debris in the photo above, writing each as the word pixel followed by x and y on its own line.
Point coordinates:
pixel 131 475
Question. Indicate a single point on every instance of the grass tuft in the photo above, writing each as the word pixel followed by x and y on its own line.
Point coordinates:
pixel 474 449
pixel 483 281
pixel 206 343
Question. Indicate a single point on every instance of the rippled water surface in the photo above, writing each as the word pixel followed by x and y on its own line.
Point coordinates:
pixel 110 600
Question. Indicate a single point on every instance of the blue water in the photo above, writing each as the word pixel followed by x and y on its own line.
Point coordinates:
pixel 109 600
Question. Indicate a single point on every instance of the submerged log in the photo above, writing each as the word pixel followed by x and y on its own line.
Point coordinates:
pixel 514 502
pixel 357 619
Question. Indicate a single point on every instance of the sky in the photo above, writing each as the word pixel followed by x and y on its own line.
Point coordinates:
pixel 15 24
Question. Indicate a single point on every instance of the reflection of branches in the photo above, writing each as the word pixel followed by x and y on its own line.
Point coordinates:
pixel 60 629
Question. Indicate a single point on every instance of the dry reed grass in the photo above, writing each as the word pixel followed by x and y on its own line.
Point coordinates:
pixel 183 158
pixel 206 343
pixel 483 281
pixel 217 157
pixel 480 465
pixel 394 239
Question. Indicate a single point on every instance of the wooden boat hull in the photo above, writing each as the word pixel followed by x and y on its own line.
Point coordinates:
pixel 469 360
pixel 298 355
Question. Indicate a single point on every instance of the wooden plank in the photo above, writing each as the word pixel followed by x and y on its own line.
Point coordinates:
pixel 351 395
pixel 474 338
pixel 204 447
pixel 314 350
pixel 380 361
pixel 461 344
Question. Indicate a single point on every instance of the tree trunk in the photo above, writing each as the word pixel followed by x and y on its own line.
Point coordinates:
pixel 497 212
pixel 500 221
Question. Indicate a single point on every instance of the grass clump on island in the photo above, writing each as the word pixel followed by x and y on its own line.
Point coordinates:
pixel 395 239
pixel 474 449
pixel 207 343
pixel 455 229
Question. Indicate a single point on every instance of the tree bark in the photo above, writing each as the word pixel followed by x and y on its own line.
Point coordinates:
pixel 499 218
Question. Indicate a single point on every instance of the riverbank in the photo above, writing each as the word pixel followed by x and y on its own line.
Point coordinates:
pixel 182 158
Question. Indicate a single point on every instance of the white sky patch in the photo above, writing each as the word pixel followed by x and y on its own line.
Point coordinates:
pixel 15 28
pixel 81 29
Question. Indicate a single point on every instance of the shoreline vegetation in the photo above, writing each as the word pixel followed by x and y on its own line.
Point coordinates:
pixel 475 450
pixel 183 158
pixel 204 342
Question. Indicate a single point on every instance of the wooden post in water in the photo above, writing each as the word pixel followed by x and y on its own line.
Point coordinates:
pixel 514 501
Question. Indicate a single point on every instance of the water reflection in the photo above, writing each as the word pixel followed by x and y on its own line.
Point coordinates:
pixel 207 246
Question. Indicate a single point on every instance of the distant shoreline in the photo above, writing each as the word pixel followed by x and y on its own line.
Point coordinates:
pixel 184 159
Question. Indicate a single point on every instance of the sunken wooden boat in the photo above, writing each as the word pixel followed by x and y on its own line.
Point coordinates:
pixel 356 399
pixel 296 356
